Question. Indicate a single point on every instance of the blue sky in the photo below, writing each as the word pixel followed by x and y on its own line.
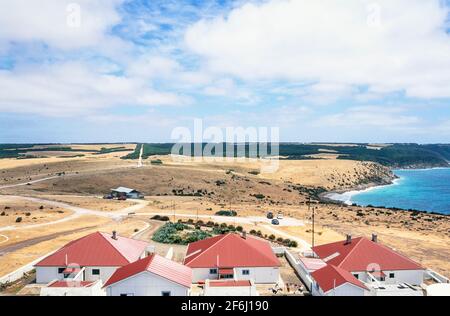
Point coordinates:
pixel 133 70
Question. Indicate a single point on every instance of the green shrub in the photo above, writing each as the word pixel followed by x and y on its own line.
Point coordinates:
pixel 226 213
pixel 259 196
pixel 239 228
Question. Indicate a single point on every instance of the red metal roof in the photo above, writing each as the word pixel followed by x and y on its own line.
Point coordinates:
pixel 226 271
pixel 96 249
pixel 312 264
pixel 363 254
pixel 155 264
pixel 72 284
pixel 71 270
pixel 229 251
pixel 229 283
pixel 331 277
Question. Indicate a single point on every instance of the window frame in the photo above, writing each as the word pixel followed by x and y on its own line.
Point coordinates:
pixel 94 272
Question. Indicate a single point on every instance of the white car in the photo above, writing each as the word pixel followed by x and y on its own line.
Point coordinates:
pixel 280 216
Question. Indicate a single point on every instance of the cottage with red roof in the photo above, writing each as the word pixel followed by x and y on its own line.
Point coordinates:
pixel 93 257
pixel 361 266
pixel 150 276
pixel 232 256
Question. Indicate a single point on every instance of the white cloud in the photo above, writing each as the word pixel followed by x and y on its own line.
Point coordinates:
pixel 370 117
pixel 336 43
pixel 74 88
pixel 55 22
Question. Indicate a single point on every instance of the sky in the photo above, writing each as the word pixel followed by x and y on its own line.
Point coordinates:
pixel 134 70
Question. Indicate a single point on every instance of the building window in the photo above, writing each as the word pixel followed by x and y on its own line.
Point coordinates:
pixel 165 293
pixel 245 272
pixel 95 271
pixel 61 270
pixel 212 271
pixel 391 275
pixel 356 276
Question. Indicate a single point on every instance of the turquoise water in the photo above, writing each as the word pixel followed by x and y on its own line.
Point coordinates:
pixel 424 190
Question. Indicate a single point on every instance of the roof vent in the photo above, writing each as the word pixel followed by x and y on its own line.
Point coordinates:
pixel 348 239
pixel 114 235
pixel 374 237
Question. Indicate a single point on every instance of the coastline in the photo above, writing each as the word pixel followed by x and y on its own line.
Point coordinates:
pixel 344 197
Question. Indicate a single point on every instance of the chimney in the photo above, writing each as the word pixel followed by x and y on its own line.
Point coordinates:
pixel 348 239
pixel 244 234
pixel 114 235
pixel 374 237
pixel 150 250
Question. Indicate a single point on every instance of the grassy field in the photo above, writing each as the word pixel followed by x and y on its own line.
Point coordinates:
pixel 208 186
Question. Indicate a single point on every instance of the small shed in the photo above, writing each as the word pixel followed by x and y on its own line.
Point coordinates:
pixel 127 192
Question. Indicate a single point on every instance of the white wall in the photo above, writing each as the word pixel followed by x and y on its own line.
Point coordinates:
pixel 146 284
pixel 415 277
pixel 45 275
pixel 346 289
pixel 202 274
pixel 231 291
pixel 261 275
pixel 94 290
pixel 105 273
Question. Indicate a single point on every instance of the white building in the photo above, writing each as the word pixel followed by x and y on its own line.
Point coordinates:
pixel 73 288
pixel 93 257
pixel 364 267
pixel 232 256
pixel 126 192
pixel 230 288
pixel 150 276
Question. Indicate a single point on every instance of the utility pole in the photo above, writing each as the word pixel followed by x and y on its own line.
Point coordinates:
pixel 173 207
pixel 312 218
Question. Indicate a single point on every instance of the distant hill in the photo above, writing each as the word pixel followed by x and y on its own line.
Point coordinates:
pixel 392 155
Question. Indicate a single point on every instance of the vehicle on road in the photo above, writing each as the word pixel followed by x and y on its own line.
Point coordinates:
pixel 108 197
pixel 275 222
pixel 270 215
pixel 280 215
pixel 122 198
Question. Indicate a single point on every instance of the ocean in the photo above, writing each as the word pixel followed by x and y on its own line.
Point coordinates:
pixel 423 190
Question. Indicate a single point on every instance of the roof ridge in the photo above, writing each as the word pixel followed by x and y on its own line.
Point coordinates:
pixel 117 250
pixel 152 256
pixel 351 251
pixel 399 254
pixel 214 244
pixel 260 253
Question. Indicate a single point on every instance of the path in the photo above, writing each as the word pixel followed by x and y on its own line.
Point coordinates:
pixel 27 183
pixel 6 238
pixel 78 211
pixel 287 221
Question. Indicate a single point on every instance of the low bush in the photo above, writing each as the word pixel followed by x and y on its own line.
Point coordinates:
pixel 226 213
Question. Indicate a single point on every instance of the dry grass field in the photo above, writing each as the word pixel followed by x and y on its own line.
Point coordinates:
pixel 205 187
pixel 29 212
